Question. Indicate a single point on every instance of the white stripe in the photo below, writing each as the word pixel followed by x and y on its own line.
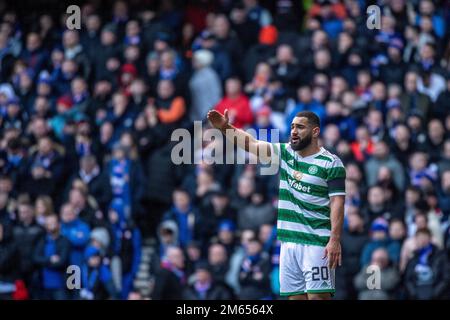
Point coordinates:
pixel 275 149
pixel 292 226
pixel 336 162
pixel 288 205
pixel 319 162
pixel 336 194
pixel 309 159
pixel 303 196
pixel 306 177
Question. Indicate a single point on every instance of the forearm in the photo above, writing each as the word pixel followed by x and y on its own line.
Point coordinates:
pixel 242 139
pixel 336 217
pixel 237 136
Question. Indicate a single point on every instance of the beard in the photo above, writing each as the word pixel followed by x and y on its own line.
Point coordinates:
pixel 301 143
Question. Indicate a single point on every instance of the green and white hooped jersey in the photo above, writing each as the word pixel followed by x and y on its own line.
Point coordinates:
pixel 306 184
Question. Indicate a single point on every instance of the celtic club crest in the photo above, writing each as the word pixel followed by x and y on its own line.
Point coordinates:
pixel 313 170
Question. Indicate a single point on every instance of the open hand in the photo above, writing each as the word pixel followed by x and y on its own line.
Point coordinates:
pixel 333 253
pixel 218 120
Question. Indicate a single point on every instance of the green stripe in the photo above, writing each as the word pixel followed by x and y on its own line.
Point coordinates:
pixel 322 157
pixel 302 237
pixel 304 166
pixel 286 195
pixel 324 173
pixel 316 190
pixel 275 148
pixel 336 173
pixel 322 291
pixel 292 216
pixel 284 294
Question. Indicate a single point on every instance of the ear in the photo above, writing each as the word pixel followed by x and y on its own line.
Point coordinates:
pixel 316 132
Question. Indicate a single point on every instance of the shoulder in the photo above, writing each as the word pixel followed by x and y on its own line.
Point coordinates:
pixel 331 156
pixel 40 242
pixel 278 147
pixel 331 160
pixel 62 240
pixel 82 224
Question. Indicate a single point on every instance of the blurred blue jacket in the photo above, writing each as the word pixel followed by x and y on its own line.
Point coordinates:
pixel 77 232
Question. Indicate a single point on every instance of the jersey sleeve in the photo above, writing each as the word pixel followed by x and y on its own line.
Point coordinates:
pixel 336 178
pixel 275 149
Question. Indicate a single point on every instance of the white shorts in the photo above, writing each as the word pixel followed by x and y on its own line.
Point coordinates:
pixel 302 270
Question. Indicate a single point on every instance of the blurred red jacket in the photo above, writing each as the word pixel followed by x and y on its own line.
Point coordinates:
pixel 239 110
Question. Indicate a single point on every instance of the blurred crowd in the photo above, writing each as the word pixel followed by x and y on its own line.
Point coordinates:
pixel 86 117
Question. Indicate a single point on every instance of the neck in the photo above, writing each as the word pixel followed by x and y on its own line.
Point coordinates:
pixel 183 208
pixel 27 222
pixel 54 235
pixel 309 150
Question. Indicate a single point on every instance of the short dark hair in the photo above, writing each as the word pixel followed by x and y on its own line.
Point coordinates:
pixel 182 190
pixel 313 118
pixel 425 231
pixel 254 239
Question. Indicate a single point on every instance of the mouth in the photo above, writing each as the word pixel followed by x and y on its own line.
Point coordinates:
pixel 295 139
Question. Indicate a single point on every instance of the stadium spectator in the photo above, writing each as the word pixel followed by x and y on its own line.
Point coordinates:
pixel 237 104
pixel 126 178
pixel 443 192
pixel 261 51
pixel 9 259
pixel 218 261
pixel 382 158
pixel 76 231
pixel 402 145
pixel 225 235
pixel 376 205
pixel 215 210
pixel 306 102
pixel 126 244
pixel 84 207
pixel 354 239
pixel 43 207
pixel 52 255
pixel 97 181
pixel 389 278
pixel 257 213
pixel 15 162
pixel 204 75
pixel 254 277
pixel 444 163
pixel 436 137
pixel 262 88
pixel 439 111
pixel 86 118
pixel 27 232
pixel 412 100
pixel 47 169
pixel 227 38
pixel 379 238
pixel 167 237
pixel 285 68
pixel 397 235
pixel 204 286
pixel 185 216
pixel 426 274
pixel 193 256
pixel 34 55
pixel 97 282
pixel 171 279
